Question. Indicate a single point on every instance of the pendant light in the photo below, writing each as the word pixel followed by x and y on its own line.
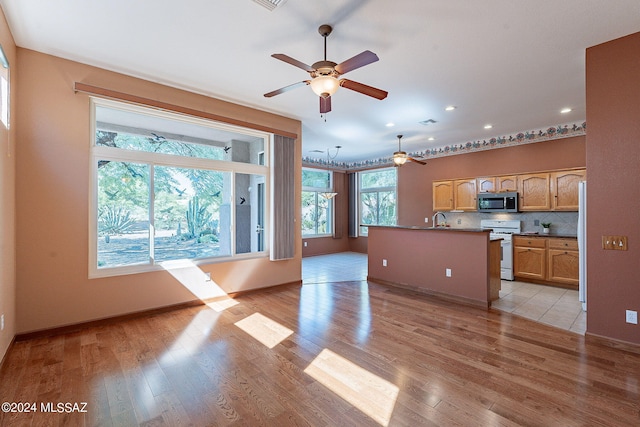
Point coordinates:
pixel 329 194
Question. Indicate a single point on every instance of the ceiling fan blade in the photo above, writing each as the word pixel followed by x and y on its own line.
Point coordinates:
pixel 294 62
pixel 325 104
pixel 364 89
pixel 417 161
pixel 360 60
pixel 286 88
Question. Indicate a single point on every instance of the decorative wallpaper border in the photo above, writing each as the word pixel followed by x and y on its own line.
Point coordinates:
pixel 520 138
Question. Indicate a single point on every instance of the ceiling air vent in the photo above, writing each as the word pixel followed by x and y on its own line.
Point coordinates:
pixel 270 4
pixel 428 122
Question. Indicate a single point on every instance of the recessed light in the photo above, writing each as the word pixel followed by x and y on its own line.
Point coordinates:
pixel 450 108
pixel 565 110
pixel 488 126
pixel 431 138
pixel 390 125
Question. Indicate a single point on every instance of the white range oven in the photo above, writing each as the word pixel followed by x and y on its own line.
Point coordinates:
pixel 503 229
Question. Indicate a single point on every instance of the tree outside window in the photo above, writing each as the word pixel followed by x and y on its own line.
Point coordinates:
pixel 170 188
pixel 317 212
pixel 378 204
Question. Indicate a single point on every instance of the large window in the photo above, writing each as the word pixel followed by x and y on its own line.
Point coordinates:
pixel 377 198
pixel 317 210
pixel 4 89
pixel 168 187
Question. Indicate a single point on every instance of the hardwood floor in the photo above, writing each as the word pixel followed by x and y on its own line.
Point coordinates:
pixel 330 354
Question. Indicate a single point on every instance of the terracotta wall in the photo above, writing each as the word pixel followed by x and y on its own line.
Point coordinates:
pixel 52 192
pixel 613 195
pixel 415 200
pixel 7 200
pixel 419 259
pixel 414 180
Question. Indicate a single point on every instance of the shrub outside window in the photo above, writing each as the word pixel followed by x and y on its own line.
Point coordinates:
pixel 169 187
pixel 377 198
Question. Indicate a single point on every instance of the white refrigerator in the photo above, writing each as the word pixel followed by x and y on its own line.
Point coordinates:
pixel 582 243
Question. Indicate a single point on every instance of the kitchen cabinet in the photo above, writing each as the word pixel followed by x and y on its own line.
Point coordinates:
pixel 562 260
pixel 543 191
pixel 454 194
pixel 506 183
pixel 533 190
pixel 464 195
pixel 529 258
pixel 564 189
pixel 486 184
pixel 442 195
pixel 549 260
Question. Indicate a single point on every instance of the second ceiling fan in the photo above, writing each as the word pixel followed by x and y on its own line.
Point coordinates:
pixel 325 75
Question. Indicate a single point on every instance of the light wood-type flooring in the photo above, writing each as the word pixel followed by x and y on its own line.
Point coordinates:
pixel 326 354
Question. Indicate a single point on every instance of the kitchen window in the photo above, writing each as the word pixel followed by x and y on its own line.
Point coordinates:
pixel 377 198
pixel 317 210
pixel 169 187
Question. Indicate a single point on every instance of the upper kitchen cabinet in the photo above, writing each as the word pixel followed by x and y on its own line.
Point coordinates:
pixel 454 195
pixel 564 189
pixel 506 183
pixel 534 192
pixel 464 195
pixel 442 195
pixel 486 184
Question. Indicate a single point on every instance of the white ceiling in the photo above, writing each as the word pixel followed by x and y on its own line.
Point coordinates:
pixel 511 63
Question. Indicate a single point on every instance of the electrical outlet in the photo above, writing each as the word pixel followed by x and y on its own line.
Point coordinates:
pixel 632 317
pixel 305 244
pixel 384 262
pixel 448 272
pixel 536 222
pixel 2 323
pixel 459 221
pixel 426 220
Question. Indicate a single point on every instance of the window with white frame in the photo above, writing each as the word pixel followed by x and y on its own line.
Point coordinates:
pixel 169 187
pixel 377 198
pixel 4 89
pixel 317 210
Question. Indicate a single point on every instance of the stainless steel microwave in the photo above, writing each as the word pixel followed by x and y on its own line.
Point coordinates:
pixel 498 202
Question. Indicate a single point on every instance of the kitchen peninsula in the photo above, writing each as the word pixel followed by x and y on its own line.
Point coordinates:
pixel 452 263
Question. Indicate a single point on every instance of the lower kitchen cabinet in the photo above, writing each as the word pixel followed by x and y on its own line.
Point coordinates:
pixel 546 260
pixel 563 260
pixel 529 258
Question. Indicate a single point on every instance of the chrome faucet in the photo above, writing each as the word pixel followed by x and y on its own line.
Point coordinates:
pixel 434 220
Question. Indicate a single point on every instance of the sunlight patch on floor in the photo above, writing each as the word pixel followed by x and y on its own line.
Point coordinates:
pixel 194 279
pixel 222 304
pixel 374 396
pixel 267 331
pixel 192 338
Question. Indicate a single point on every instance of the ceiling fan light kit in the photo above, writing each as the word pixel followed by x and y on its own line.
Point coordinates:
pixel 400 157
pixel 325 75
pixel 325 86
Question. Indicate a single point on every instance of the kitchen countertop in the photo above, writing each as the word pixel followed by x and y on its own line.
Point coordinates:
pixel 558 235
pixel 416 227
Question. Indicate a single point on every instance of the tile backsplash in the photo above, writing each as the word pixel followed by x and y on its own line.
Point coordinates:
pixel 565 223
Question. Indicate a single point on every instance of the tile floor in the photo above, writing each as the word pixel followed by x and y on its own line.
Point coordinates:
pixel 546 304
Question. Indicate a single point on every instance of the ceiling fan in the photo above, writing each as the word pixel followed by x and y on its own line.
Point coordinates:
pixel 325 74
pixel 400 157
